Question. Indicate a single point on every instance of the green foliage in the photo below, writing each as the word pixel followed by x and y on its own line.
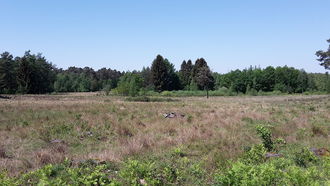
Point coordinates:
pixel 274 172
pixel 177 152
pixel 107 89
pixel 324 57
pixel 193 86
pixel 63 174
pixel 266 136
pixel 243 174
pixel 199 93
pixel 147 78
pixel 283 79
pixel 304 157
pixel 71 82
pixel 149 99
pixel 251 91
pixel 299 168
pixel 34 74
pixel 178 169
pixel 135 173
pixel 278 171
pixel 86 79
pixel 202 75
pixel 185 73
pixel 8 67
pixel 255 155
pixel 163 75
pixel 159 73
pixel 6 181
pixel 129 85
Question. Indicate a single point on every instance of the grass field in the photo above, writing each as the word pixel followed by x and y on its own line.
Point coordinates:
pixel 37 130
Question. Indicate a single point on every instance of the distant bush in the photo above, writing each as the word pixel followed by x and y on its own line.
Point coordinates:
pixel 220 92
pixel 149 99
pixel 129 85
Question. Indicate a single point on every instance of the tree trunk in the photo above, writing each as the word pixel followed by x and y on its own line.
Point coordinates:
pixel 207 93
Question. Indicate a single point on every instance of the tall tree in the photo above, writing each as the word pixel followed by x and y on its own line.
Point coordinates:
pixel 185 73
pixel 159 74
pixel 324 57
pixel 146 76
pixel 268 79
pixel 173 82
pixel 205 79
pixel 7 73
pixel 302 82
pixel 129 84
pixel 35 74
pixel 201 65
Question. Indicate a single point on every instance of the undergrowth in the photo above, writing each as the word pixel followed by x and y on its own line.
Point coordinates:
pixel 301 167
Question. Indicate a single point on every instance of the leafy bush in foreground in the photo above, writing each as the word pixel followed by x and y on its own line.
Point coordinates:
pixel 277 171
pixel 266 136
pixel 179 170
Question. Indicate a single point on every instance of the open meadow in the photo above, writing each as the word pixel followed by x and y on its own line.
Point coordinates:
pixel 206 134
pixel 134 143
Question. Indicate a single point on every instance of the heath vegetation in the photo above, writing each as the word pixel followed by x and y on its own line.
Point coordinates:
pixel 90 138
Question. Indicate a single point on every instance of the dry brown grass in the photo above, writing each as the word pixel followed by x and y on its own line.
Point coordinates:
pixel 108 128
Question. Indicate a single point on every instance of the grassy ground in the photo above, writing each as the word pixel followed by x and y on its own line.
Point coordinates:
pixel 36 130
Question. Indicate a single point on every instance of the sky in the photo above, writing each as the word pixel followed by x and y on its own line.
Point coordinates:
pixel 127 35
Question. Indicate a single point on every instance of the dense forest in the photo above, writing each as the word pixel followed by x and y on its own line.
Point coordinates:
pixel 33 74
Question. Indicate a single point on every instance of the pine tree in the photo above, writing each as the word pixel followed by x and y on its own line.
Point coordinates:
pixel 324 57
pixel 185 73
pixel 159 74
pixel 7 74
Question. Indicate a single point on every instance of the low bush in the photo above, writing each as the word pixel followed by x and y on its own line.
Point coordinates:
pixel 149 99
pixel 274 172
pixel 304 158
pixel 266 136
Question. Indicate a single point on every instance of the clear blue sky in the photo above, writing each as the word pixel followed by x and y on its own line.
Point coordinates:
pixel 127 35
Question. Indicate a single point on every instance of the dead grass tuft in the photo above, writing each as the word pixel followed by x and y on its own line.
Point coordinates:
pixel 123 130
pixel 319 131
pixel 44 157
pixel 3 152
pixel 55 153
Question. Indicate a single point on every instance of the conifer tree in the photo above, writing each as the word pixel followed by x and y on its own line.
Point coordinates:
pixel 159 74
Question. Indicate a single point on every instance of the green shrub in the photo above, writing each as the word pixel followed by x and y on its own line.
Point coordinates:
pixel 279 171
pixel 129 85
pixel 167 93
pixel 304 157
pixel 266 137
pixel 243 174
pixel 63 174
pixel 135 173
pixel 149 99
pixel 255 155
pixel 5 180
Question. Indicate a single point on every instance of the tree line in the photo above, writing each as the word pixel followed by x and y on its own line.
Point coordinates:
pixel 33 74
